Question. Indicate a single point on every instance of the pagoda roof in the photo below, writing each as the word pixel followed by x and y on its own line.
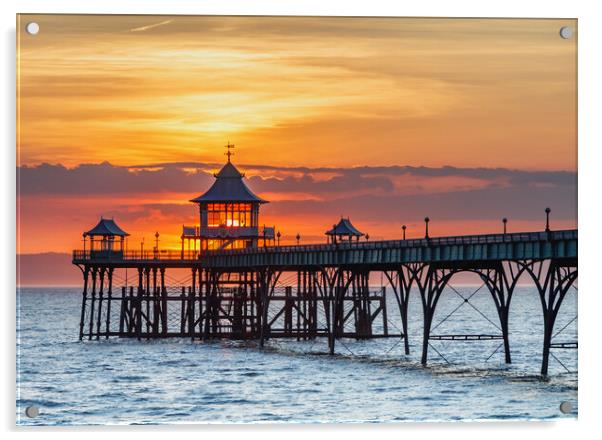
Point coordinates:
pixel 345 228
pixel 107 227
pixel 229 171
pixel 229 187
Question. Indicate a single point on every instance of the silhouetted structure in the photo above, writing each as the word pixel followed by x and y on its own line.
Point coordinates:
pixel 228 215
pixel 104 239
pixel 344 230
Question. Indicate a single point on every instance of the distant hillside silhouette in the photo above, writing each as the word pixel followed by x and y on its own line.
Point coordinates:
pixel 47 269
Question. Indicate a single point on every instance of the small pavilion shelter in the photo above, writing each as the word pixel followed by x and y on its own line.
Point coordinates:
pixel 343 231
pixel 105 239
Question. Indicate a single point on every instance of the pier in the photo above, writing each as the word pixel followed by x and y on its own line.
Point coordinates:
pixel 242 284
pixel 231 291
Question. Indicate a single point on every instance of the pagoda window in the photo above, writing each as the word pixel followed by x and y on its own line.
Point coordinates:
pixel 229 215
pixel 213 219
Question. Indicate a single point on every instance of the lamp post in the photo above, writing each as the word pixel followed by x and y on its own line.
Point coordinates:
pixel 142 248
pixel 298 237
pixel 156 244
pixel 278 235
pixel 548 210
pixel 84 237
pixel 504 221
pixel 426 223
pixel 403 228
pixel 367 236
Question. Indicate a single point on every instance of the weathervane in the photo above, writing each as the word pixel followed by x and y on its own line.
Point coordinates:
pixel 228 152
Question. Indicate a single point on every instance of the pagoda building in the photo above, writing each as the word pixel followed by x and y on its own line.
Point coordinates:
pixel 228 214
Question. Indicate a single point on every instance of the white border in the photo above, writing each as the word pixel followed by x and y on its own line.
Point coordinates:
pixel 590 143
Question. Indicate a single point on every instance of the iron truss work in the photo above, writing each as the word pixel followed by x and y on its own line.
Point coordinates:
pixel 304 293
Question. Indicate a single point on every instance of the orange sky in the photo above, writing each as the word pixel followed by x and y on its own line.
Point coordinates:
pixel 289 92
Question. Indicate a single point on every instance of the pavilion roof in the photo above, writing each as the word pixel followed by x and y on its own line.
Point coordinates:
pixel 345 228
pixel 229 187
pixel 107 227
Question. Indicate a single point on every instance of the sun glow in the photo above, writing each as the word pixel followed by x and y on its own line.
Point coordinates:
pixel 290 95
pixel 309 102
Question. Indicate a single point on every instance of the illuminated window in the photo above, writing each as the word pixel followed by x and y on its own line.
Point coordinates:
pixel 230 215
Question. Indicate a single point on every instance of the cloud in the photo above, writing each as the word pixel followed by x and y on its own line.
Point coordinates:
pixel 150 26
pixel 107 179
pixel 339 182
pixel 391 192
pixel 480 204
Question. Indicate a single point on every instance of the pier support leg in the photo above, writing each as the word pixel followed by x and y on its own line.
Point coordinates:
pixel 333 286
pixel 191 301
pixel 288 312
pixel 156 305
pixel 322 291
pixel 147 298
pixel 211 303
pixel 237 312
pixel 202 298
pixel 334 319
pixel 122 312
pixel 183 311
pixel 401 283
pixel 262 310
pixel 505 334
pixel 129 312
pixel 501 281
pixel 431 282
pixel 138 309
pixel 263 313
pixel 360 292
pixel 383 306
pixel 164 316
pixel 333 291
pixel 86 273
pixel 428 312
pixel 313 305
pixel 548 319
pixel 100 298
pixel 91 324
pixel 109 300
pixel 552 282
pixel 267 280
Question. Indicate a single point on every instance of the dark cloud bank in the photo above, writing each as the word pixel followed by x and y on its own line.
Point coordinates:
pixel 361 192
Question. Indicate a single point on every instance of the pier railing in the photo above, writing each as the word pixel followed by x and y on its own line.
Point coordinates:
pixel 166 254
pixel 189 256
pixel 409 243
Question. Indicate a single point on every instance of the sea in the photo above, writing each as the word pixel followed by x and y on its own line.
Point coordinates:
pixel 175 381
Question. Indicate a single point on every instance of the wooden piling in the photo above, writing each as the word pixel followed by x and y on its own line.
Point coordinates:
pixel 86 273
pixel 109 301
pixel 91 317
pixel 122 311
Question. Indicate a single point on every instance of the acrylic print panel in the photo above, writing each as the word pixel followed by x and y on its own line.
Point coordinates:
pixel 295 219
